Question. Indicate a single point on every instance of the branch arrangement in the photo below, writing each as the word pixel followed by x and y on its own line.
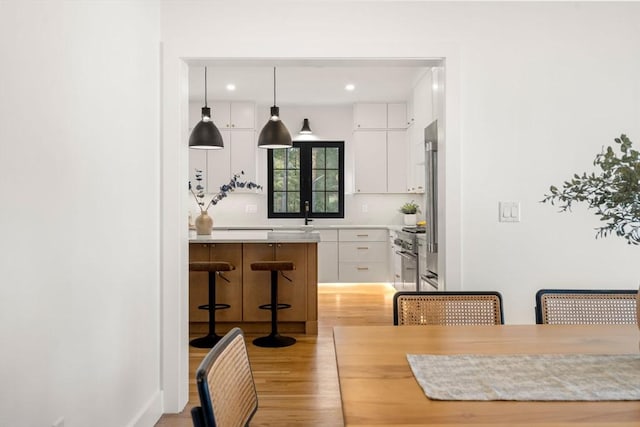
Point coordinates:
pixel 225 189
pixel 614 193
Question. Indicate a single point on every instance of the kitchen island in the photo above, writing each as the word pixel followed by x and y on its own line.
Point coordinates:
pixel 244 290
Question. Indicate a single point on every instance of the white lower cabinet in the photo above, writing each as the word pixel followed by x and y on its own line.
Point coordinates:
pixel 363 255
pixel 328 256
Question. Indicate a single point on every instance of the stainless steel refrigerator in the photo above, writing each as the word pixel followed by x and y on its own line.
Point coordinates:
pixel 430 273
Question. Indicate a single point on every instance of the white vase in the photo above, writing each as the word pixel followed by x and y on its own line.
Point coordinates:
pixel 410 219
pixel 204 223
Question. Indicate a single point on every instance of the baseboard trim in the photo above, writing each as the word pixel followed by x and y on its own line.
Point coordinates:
pixel 150 413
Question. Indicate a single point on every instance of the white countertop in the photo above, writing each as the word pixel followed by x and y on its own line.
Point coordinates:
pixel 255 236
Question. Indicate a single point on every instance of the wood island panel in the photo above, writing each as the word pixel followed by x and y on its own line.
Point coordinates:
pixel 249 289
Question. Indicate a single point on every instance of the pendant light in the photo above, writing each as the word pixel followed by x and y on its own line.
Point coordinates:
pixel 306 130
pixel 274 134
pixel 205 134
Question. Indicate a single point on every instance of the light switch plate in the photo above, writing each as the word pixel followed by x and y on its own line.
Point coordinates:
pixel 509 211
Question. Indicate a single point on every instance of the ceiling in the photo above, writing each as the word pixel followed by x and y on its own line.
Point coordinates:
pixel 307 82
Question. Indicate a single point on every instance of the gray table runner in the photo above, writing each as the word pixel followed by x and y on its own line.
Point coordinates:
pixel 541 377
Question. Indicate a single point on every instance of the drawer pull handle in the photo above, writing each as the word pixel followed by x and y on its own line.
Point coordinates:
pixel 363 247
pixel 362 235
pixel 362 268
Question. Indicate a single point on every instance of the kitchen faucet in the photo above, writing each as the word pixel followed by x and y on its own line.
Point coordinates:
pixel 306 213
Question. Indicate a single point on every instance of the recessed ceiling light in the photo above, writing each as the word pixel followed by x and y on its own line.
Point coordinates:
pixel 231 87
pixel 350 87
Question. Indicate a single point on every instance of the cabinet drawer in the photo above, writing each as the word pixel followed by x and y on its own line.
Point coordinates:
pixel 363 251
pixel 328 235
pixel 354 272
pixel 363 235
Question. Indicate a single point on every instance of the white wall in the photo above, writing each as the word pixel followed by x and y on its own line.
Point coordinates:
pixel 79 264
pixel 533 91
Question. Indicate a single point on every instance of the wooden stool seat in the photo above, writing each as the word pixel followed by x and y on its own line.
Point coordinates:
pixel 274 339
pixel 273 265
pixel 213 268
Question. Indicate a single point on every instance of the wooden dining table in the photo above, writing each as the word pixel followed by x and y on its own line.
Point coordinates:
pixel 378 388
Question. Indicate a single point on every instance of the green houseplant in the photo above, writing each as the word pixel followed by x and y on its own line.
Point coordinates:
pixel 410 210
pixel 614 193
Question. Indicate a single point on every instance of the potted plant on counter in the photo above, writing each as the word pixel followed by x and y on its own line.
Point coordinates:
pixel 410 211
pixel 204 222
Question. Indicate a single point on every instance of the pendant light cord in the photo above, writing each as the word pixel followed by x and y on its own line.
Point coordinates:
pixel 205 87
pixel 274 86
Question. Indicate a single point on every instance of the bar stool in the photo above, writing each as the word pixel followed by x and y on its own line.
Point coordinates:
pixel 274 339
pixel 214 268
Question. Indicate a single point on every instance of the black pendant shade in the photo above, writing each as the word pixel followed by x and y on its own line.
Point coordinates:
pixel 274 134
pixel 205 135
pixel 306 129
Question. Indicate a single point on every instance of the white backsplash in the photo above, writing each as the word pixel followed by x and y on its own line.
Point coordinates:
pixel 381 209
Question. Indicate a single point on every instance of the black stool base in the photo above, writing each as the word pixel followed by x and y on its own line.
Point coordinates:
pixel 274 340
pixel 205 342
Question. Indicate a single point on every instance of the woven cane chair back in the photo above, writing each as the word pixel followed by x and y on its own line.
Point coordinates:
pixel 447 308
pixel 225 385
pixel 586 306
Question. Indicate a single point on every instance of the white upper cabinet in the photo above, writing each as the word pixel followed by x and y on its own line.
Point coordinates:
pixel 236 122
pixel 234 115
pixel 380 147
pixel 397 116
pixel 370 167
pixel 243 154
pixel 239 154
pixel 369 116
pixel 396 161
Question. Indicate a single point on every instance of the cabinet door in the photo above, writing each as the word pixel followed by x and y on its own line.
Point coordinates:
pixel 327 262
pixel 198 284
pixel 221 114
pixel 243 115
pixel 369 116
pixel 397 116
pixel 219 164
pixel 228 283
pixel 243 153
pixel 257 284
pixel 397 161
pixel 293 292
pixel 370 153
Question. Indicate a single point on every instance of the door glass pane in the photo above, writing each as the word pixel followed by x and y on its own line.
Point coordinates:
pixel 293 158
pixel 293 202
pixel 317 180
pixel 279 181
pixel 293 180
pixel 317 158
pixel 318 201
pixel 279 157
pixel 332 202
pixel 279 201
pixel 332 158
pixel 332 180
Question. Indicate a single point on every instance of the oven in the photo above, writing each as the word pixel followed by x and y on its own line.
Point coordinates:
pixel 428 281
pixel 406 250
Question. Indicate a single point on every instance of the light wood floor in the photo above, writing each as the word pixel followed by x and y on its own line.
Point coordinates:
pixel 298 385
